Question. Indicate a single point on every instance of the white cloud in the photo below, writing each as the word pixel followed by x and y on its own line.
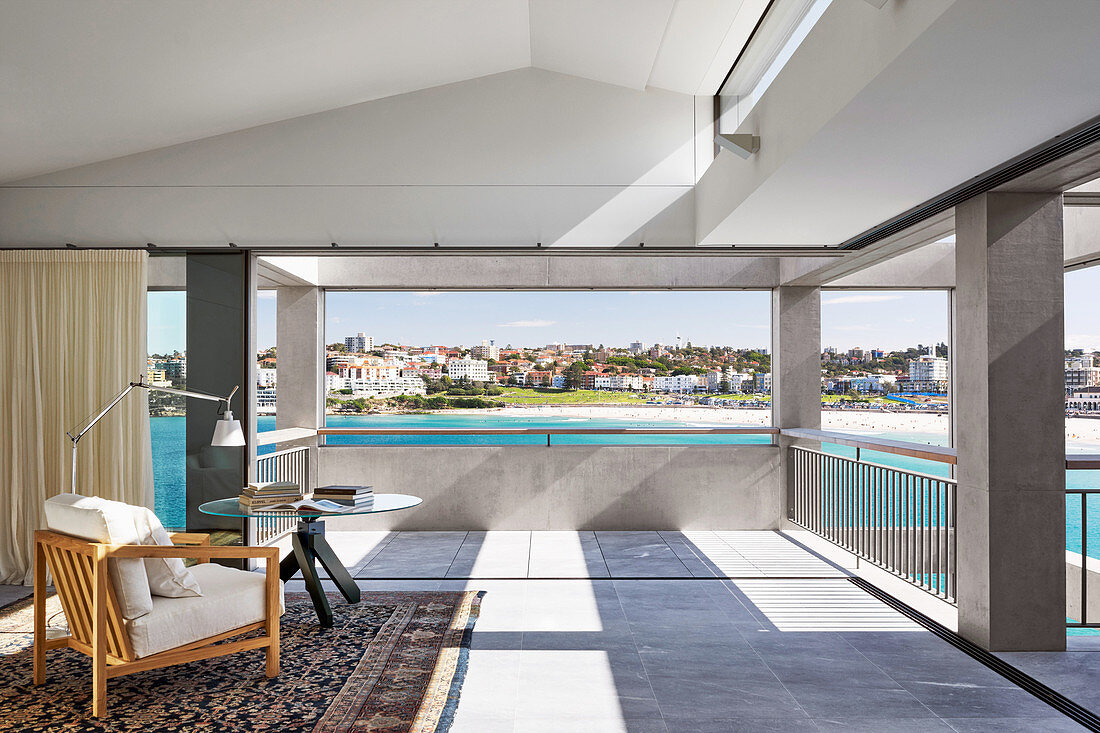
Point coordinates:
pixel 334 319
pixel 526 324
pixel 427 293
pixel 852 328
pixel 265 294
pixel 865 298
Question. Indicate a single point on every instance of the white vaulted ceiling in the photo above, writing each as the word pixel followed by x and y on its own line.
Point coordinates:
pixel 93 80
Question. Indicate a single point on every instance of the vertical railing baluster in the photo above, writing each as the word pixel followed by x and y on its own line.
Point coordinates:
pixel 863 482
pixel 954 544
pixel 1084 558
pixel 924 568
pixel 939 547
pixel 910 537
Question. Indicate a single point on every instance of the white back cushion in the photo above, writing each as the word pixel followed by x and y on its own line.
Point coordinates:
pixel 168 576
pixel 112 522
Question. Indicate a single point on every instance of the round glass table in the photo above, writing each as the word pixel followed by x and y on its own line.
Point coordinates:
pixel 309 545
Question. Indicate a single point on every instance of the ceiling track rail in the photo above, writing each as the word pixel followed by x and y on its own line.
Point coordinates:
pixel 1045 154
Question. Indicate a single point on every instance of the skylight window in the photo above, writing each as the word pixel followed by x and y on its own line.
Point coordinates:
pixel 782 32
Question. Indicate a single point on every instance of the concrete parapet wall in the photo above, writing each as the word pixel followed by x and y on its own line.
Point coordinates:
pixel 605 487
pixel 1073 588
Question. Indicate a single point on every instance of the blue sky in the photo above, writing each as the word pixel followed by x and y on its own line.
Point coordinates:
pixel 537 319
pixel 869 319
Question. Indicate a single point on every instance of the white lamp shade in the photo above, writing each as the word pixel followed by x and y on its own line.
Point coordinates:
pixel 227 431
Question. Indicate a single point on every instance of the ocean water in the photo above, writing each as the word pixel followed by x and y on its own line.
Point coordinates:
pixel 472 422
pixel 169 459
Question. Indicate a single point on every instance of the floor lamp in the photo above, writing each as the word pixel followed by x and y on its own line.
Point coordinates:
pixel 227 431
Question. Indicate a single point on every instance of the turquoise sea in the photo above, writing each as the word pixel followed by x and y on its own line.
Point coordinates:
pixel 169 471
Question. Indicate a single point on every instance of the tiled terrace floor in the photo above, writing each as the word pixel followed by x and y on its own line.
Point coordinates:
pixel 643 631
pixel 696 632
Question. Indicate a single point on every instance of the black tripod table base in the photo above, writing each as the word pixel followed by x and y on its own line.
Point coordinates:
pixel 310 546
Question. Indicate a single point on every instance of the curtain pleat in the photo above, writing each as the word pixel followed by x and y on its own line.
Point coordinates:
pixel 72 336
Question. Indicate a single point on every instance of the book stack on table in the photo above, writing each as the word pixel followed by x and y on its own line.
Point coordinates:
pixel 270 493
pixel 349 496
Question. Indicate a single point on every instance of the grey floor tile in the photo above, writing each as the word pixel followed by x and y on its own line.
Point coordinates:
pixel 686 697
pixel 640 554
pixel 472 724
pixel 838 700
pixel 647 568
pixel 555 724
pixel 966 700
pixel 744 724
pixel 492 555
pixel 566 555
pixel 573 684
pixel 751 654
pixel 882 725
pixel 1058 724
pixel 415 555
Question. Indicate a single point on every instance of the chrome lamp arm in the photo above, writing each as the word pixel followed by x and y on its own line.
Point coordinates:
pixel 226 432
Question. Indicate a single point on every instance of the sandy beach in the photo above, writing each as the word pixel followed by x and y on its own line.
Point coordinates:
pixel 1082 434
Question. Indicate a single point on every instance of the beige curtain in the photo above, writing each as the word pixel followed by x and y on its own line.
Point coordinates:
pixel 72 336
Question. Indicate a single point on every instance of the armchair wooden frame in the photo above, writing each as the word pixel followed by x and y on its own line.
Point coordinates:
pixel 96 626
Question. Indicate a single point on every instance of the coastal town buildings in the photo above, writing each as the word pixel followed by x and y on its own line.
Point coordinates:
pixel 927 373
pixel 473 370
pixel 1081 374
pixel 359 343
pixel 487 349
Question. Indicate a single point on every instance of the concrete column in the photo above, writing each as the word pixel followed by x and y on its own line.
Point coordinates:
pixel 300 366
pixel 1010 419
pixel 796 357
pixel 796 365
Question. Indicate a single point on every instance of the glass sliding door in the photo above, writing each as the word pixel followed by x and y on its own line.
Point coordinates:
pixel 166 366
pixel 217 336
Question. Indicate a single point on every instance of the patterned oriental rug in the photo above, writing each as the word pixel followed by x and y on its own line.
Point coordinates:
pixel 394 663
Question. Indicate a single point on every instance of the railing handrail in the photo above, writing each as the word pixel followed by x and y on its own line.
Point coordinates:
pixel 937 453
pixel 549 431
pixel 863 462
pixel 283 435
pixel 284 452
pixel 1082 461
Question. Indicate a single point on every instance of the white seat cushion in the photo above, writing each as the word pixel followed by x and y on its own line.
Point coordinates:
pixel 230 599
pixel 100 520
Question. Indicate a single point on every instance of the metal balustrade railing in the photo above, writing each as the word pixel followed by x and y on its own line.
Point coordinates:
pixel 285 465
pixel 1077 505
pixel 548 432
pixel 1079 617
pixel 901 521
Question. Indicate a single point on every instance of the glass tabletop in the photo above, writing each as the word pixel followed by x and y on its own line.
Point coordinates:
pixel 382 503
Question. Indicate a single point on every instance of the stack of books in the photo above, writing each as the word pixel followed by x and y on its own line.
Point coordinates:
pixel 270 493
pixel 351 496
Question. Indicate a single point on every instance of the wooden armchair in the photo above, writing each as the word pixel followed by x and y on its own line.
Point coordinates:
pixel 98 629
